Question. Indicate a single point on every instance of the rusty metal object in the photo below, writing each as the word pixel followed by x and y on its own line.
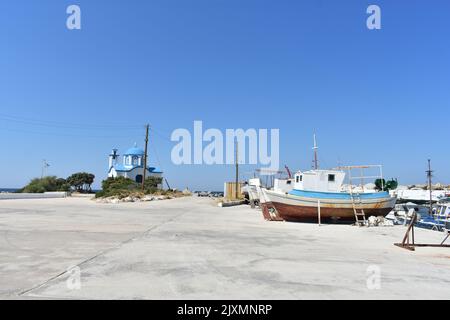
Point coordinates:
pixel 270 213
pixel 406 244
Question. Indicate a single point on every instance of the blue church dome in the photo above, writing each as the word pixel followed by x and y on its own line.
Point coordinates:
pixel 135 151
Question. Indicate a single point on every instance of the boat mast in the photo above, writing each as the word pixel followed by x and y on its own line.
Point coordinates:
pixel 237 170
pixel 316 161
pixel 429 176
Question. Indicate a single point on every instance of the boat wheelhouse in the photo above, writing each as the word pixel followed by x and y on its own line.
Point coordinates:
pixel 441 214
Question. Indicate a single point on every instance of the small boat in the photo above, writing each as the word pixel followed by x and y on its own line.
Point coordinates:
pixel 318 194
pixel 442 210
pixel 402 213
pixel 441 215
pixel 251 189
pixel 279 184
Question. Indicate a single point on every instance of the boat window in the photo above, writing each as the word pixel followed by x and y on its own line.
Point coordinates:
pixel 297 179
pixel 331 178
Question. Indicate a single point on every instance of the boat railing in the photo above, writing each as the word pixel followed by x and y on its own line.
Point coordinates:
pixel 362 177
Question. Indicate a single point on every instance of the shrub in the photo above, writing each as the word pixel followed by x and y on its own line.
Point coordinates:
pixel 46 184
pixel 388 185
pixel 115 186
pixel 152 183
pixel 123 187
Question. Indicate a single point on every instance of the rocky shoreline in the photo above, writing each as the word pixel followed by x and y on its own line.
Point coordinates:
pixel 141 198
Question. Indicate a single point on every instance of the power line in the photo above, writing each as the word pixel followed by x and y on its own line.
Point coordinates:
pixel 156 156
pixel 74 127
pixel 160 135
pixel 60 134
pixel 60 124
pixel 79 130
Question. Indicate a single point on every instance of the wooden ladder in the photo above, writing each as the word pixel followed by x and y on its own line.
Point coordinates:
pixel 356 201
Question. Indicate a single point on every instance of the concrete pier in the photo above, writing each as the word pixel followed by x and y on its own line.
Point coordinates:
pixel 23 196
pixel 189 248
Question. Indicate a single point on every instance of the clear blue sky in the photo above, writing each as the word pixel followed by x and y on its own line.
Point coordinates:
pixel 300 66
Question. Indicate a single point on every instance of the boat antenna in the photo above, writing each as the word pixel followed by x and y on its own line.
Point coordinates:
pixel 288 172
pixel 430 176
pixel 45 165
pixel 315 148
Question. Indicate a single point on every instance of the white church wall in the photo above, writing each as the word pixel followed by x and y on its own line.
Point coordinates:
pixel 128 161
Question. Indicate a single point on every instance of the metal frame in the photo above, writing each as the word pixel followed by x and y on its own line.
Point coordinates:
pixel 406 244
pixel 356 196
pixel 362 177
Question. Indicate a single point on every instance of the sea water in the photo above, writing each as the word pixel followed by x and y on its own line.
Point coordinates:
pixel 10 190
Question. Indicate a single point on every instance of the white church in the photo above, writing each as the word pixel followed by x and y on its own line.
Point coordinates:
pixel 132 165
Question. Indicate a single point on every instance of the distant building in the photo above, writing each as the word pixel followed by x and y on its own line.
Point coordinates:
pixel 132 165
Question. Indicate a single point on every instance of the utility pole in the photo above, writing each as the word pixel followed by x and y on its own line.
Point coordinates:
pixel 237 170
pixel 429 176
pixel 316 160
pixel 145 156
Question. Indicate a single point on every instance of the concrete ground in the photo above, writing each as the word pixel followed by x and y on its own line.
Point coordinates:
pixel 190 249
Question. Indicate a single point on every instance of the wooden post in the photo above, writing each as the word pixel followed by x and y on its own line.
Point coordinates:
pixel 430 186
pixel 318 211
pixel 405 242
pixel 237 172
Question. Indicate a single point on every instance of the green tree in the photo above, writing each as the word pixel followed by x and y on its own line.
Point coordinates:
pixel 383 185
pixel 81 181
pixel 392 184
pixel 119 186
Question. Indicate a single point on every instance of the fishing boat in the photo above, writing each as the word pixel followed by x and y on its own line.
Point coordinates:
pixel 281 186
pixel 437 220
pixel 435 216
pixel 440 215
pixel 318 195
pixel 252 187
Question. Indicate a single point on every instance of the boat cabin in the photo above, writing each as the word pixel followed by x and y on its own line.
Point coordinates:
pixel 283 185
pixel 442 211
pixel 319 180
pixel 254 182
